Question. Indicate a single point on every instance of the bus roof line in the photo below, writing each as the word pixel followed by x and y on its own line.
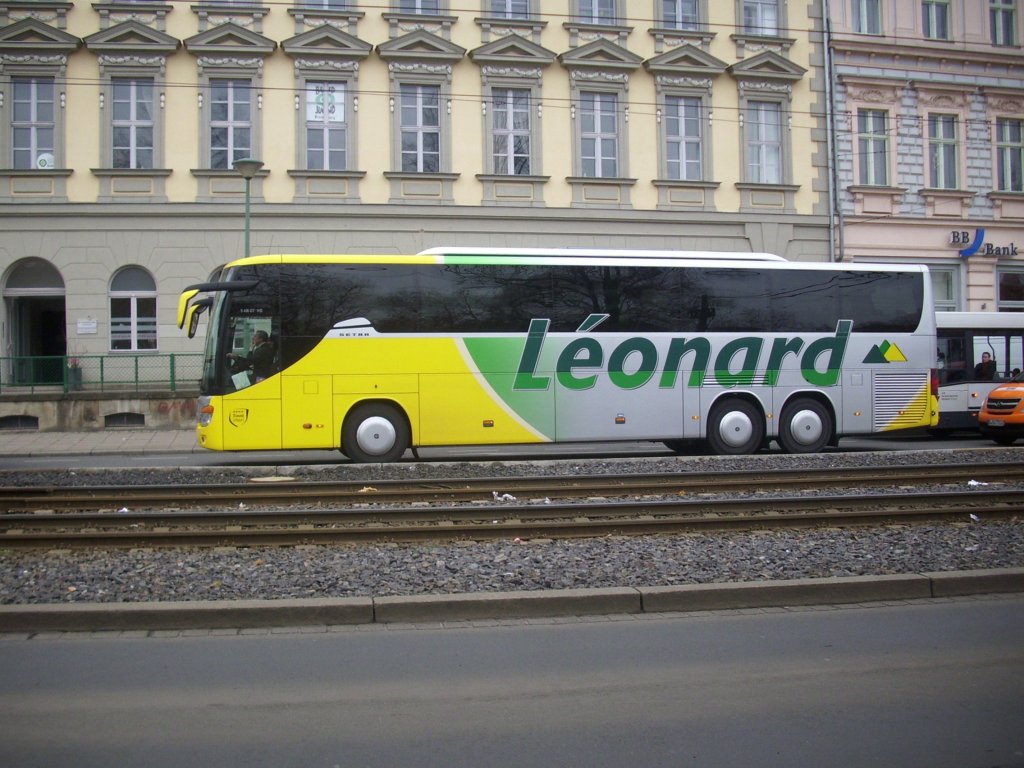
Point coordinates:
pixel 602 252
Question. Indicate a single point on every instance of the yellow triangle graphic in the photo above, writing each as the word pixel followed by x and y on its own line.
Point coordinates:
pixel 894 355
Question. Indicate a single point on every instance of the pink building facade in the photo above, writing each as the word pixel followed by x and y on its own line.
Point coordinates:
pixel 928 135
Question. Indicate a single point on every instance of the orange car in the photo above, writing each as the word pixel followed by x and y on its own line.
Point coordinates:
pixel 1002 414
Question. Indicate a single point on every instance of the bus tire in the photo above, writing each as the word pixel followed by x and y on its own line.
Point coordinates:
pixel 1004 439
pixel 375 432
pixel 806 426
pixel 735 427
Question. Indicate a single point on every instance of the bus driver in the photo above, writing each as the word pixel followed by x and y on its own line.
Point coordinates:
pixel 260 358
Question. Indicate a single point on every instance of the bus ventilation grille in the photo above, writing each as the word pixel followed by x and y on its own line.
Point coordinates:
pixel 900 400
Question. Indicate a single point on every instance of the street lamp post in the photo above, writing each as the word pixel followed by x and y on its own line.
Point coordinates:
pixel 248 167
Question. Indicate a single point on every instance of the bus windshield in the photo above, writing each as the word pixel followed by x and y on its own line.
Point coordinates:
pixel 241 341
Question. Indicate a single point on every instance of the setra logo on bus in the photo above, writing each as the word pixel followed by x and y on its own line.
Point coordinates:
pixel 585 354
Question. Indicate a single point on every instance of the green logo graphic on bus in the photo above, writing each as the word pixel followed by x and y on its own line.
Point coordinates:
pixel 635 361
pixel 885 353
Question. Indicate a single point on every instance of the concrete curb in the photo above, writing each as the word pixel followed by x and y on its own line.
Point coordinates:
pixel 244 614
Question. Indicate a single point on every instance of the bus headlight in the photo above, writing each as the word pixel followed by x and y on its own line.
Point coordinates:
pixel 205 412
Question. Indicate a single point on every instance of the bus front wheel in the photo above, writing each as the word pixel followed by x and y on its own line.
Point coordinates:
pixel 375 432
pixel 806 426
pixel 735 427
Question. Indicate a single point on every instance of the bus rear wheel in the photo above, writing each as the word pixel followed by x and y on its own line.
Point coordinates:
pixel 806 426
pixel 735 427
pixel 375 432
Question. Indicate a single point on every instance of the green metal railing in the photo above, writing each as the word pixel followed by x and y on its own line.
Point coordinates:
pixel 100 373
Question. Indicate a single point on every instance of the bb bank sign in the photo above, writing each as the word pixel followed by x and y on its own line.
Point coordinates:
pixel 973 244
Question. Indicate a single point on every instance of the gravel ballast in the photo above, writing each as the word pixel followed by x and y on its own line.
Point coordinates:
pixel 29 577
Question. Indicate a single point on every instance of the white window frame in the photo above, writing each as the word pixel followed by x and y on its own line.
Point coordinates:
pixel 936 18
pixel 764 154
pixel 951 276
pixel 141 155
pixel 599 147
pixel 681 14
pixel 27 155
pixel 1009 141
pixel 602 12
pixel 234 125
pixel 867 17
pixel 325 104
pixel 685 131
pixel 508 133
pixel 419 7
pixel 872 144
pixel 943 150
pixel 139 330
pixel 1002 16
pixel 1006 305
pixel 413 102
pixel 510 9
pixel 760 17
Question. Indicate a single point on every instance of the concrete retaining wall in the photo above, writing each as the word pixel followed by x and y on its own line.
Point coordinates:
pixel 101 410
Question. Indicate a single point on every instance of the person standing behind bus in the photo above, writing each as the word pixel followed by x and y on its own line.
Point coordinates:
pixel 986 369
pixel 260 357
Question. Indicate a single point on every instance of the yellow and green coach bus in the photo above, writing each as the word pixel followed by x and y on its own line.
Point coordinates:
pixel 377 354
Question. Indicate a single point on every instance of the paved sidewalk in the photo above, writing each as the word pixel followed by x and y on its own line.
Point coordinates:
pixel 33 443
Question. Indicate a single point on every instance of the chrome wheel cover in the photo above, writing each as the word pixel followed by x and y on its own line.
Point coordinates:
pixel 735 428
pixel 376 436
pixel 806 427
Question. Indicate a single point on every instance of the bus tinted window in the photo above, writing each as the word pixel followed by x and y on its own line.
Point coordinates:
pixel 472 299
pixel 882 302
pixel 805 301
pixel 398 298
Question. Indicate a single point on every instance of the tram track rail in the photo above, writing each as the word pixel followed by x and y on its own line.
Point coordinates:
pixel 289 491
pixel 652 511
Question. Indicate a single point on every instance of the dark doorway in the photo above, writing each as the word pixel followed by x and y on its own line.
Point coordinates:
pixel 36 324
pixel 39 344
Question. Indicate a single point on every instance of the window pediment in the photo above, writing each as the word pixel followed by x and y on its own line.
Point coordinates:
pixel 419 46
pixel 600 54
pixel 131 37
pixel 327 41
pixel 767 66
pixel 687 60
pixel 512 50
pixel 229 39
pixel 32 36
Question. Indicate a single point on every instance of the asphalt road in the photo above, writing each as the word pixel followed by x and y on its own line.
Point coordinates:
pixel 934 684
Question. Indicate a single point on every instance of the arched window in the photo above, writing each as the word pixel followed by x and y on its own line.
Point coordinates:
pixel 132 310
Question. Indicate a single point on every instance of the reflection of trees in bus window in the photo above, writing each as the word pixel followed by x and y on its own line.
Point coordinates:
pixel 804 301
pixel 882 302
pixel 636 299
pixel 429 298
pixel 469 298
pixel 310 305
pixel 726 299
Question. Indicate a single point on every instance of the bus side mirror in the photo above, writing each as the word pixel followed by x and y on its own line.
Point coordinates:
pixel 186 296
pixel 194 311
